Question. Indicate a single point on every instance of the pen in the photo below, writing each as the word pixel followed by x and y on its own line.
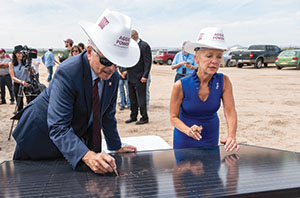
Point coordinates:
pixel 116 172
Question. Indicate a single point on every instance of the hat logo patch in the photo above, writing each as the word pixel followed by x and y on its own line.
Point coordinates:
pixel 200 36
pixel 218 36
pixel 123 41
pixel 103 22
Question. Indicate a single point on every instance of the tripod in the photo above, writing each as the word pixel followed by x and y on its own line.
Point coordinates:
pixel 28 93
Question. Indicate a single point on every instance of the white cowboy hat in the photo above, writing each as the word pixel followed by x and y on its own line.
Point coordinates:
pixel 112 36
pixel 210 37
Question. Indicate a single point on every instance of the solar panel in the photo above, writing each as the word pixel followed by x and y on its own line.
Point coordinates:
pixel 191 172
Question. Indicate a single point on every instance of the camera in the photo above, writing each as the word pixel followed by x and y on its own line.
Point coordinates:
pixel 34 87
pixel 28 55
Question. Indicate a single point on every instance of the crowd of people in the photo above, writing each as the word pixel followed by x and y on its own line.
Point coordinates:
pixel 13 72
pixel 138 80
pixel 68 118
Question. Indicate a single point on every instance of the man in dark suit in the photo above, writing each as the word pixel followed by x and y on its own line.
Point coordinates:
pixel 62 120
pixel 137 81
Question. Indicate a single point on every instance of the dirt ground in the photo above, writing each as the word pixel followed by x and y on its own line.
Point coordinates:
pixel 267 102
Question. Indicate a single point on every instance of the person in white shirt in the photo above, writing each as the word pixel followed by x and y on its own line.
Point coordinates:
pixel 36 64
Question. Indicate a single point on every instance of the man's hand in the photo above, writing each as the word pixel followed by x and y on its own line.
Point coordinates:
pixel 4 65
pixel 143 80
pixel 100 163
pixel 188 65
pixel 126 149
pixel 182 63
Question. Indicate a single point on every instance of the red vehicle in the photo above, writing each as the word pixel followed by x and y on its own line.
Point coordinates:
pixel 165 57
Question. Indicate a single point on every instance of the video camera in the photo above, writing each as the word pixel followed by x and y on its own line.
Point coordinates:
pixel 28 55
pixel 34 87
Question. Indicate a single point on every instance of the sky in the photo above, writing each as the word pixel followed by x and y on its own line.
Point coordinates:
pixel 162 23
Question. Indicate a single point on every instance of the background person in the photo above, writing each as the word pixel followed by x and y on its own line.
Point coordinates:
pixel 50 63
pixel 67 118
pixel 67 52
pixel 5 79
pixel 137 81
pixel 196 99
pixel 184 63
pixel 20 76
pixel 75 50
pixel 36 65
pixel 81 46
pixel 123 88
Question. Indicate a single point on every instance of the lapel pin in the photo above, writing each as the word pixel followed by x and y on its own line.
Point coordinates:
pixel 109 84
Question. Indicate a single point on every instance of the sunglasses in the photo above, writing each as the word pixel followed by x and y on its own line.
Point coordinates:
pixel 75 51
pixel 104 61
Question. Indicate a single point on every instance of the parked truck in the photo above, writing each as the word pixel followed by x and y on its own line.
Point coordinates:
pixel 256 54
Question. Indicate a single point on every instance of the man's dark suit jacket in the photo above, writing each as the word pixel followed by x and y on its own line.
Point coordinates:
pixel 142 68
pixel 56 122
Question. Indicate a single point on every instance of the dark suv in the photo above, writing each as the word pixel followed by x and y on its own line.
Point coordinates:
pixel 256 54
pixel 165 57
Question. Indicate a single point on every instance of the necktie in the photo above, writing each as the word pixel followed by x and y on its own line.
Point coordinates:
pixel 96 144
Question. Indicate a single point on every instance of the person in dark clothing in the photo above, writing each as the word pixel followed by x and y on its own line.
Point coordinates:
pixel 137 81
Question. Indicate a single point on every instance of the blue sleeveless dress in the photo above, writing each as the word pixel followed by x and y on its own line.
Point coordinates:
pixel 195 111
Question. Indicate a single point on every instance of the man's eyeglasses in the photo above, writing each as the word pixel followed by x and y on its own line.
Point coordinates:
pixel 104 61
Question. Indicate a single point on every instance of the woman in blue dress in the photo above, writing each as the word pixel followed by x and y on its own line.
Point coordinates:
pixel 196 99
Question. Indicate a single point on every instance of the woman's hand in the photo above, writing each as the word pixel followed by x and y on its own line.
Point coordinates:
pixel 230 144
pixel 231 160
pixel 24 83
pixel 194 132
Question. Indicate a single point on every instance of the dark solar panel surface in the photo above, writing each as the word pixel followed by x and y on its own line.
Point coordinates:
pixel 193 172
